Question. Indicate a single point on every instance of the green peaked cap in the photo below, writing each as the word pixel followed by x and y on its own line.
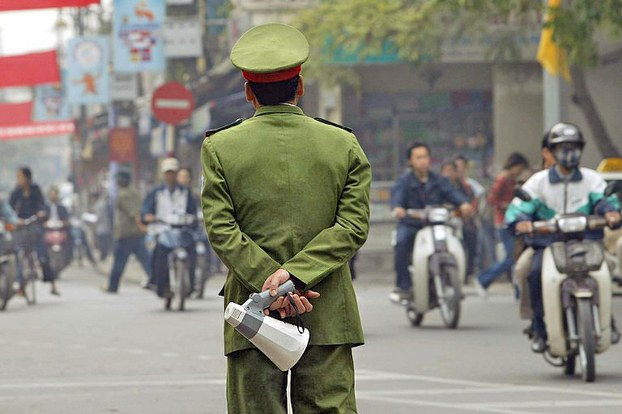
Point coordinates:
pixel 270 48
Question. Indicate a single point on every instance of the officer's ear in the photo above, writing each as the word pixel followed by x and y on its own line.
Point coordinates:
pixel 300 90
pixel 250 95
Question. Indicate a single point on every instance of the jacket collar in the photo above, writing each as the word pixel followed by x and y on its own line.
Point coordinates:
pixel 555 177
pixel 278 109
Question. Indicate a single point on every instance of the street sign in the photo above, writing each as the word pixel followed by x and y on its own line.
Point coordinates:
pixel 172 103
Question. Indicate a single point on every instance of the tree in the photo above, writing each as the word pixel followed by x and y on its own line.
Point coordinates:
pixel 416 30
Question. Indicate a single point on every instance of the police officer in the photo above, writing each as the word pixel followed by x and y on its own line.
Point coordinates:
pixel 286 197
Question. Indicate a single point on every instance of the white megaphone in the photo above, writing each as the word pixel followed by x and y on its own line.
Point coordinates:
pixel 280 341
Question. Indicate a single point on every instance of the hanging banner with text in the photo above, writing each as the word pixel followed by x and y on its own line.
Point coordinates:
pixel 139 35
pixel 87 70
pixel 122 144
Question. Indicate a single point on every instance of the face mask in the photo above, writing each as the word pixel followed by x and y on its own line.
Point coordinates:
pixel 568 158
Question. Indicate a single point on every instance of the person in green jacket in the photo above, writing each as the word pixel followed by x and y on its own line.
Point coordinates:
pixel 286 196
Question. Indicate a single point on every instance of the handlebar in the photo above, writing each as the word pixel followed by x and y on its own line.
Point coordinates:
pixel 543 227
pixel 27 221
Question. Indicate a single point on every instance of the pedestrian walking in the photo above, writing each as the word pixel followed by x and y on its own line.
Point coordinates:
pixel 499 197
pixel 286 197
pixel 128 232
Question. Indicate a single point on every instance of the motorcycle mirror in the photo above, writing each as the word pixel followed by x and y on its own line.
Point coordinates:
pixel 612 188
pixel 521 194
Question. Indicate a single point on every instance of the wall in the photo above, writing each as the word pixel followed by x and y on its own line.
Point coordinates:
pixel 517 113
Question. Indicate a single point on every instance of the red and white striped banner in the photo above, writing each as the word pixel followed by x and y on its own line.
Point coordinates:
pixel 37 129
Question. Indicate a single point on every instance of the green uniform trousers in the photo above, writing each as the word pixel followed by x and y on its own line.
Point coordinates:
pixel 322 382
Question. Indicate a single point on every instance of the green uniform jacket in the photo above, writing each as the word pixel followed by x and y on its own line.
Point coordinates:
pixel 283 190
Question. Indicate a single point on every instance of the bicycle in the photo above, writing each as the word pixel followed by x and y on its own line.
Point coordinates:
pixel 27 234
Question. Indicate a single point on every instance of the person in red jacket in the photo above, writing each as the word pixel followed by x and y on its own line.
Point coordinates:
pixel 499 198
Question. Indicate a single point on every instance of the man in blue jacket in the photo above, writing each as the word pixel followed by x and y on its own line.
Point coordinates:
pixel 416 189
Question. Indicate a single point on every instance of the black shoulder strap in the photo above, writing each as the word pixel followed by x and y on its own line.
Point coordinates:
pixel 324 121
pixel 211 132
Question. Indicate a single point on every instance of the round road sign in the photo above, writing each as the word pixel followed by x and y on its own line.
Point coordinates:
pixel 172 103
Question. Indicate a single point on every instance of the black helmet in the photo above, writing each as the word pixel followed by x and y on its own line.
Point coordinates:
pixel 564 132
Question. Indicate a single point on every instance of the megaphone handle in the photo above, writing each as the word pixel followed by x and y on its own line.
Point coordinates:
pixel 263 300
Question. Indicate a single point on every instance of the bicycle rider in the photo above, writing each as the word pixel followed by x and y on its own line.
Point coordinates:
pixel 27 201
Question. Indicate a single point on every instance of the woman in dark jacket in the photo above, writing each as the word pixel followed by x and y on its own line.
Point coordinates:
pixel 27 201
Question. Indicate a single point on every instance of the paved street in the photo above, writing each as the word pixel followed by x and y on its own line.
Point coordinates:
pixel 88 352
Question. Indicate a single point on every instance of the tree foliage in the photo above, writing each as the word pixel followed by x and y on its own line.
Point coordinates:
pixel 418 29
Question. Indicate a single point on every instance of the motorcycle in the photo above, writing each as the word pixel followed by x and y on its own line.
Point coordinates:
pixel 8 265
pixel 576 292
pixel 176 233
pixel 439 267
pixel 55 237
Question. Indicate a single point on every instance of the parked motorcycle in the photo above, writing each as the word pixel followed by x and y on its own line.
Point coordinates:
pixel 438 267
pixel 576 292
pixel 55 237
pixel 8 265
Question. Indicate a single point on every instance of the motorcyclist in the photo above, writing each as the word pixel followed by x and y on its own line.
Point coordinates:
pixel 415 189
pixel 55 211
pixel 161 203
pixel 563 188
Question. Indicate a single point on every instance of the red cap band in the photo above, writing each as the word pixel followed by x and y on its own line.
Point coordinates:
pixel 272 76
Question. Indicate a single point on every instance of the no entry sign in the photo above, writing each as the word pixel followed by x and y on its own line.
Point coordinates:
pixel 172 103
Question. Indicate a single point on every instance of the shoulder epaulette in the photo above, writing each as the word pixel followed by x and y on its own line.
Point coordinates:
pixel 211 132
pixel 324 121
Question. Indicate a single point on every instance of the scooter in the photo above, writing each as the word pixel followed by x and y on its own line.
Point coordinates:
pixel 439 267
pixel 55 238
pixel 576 292
pixel 176 233
pixel 8 266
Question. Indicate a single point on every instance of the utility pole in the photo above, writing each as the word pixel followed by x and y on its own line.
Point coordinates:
pixel 82 132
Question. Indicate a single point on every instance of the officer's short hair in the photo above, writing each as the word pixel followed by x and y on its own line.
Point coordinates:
pixel 276 92
pixel 414 145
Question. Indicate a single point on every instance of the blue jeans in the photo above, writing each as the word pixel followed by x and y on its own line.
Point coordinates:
pixel 404 243
pixel 122 250
pixel 505 265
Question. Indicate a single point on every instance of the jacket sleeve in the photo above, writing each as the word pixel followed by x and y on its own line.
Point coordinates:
pixel 148 206
pixel 335 245
pixel 600 203
pixel 250 264
pixel 398 193
pixel 450 194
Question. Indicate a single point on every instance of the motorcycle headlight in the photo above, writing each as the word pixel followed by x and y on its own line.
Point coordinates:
pixel 572 224
pixel 438 215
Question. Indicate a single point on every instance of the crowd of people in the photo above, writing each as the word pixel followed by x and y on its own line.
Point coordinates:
pixel 117 226
pixel 561 186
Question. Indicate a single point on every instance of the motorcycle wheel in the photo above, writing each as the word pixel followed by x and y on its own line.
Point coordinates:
pixel 414 317
pixel 570 365
pixel 5 289
pixel 450 310
pixel 179 293
pixel 57 260
pixel 587 344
